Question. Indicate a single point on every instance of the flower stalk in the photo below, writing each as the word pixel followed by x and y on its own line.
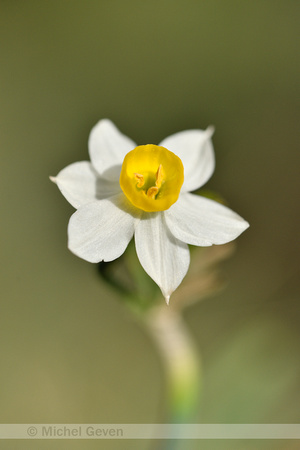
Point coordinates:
pixel 181 362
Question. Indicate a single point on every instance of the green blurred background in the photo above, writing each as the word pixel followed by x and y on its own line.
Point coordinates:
pixel 70 352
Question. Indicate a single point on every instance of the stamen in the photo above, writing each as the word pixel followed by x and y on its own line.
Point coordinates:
pixel 152 192
pixel 140 179
pixel 159 176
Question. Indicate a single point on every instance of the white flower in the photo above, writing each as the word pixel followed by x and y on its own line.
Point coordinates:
pixel 127 190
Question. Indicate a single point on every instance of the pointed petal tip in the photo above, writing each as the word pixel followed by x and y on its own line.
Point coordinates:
pixel 53 179
pixel 167 298
pixel 105 121
pixel 244 223
pixel 210 130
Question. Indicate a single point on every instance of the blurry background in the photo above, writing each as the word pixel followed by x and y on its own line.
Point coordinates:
pixel 70 352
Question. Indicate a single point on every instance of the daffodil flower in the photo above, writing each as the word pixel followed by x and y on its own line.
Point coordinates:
pixel 144 191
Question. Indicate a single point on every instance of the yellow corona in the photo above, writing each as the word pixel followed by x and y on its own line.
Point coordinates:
pixel 151 177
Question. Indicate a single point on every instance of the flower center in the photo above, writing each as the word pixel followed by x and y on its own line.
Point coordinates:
pixel 151 177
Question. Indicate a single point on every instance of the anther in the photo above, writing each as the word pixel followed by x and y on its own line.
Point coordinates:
pixel 140 180
pixel 152 192
pixel 159 176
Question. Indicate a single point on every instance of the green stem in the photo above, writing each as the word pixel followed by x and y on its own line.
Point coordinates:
pixel 181 362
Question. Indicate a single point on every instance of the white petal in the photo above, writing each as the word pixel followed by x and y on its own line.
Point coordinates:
pixel 107 149
pixel 101 230
pixel 81 184
pixel 200 221
pixel 164 258
pixel 195 149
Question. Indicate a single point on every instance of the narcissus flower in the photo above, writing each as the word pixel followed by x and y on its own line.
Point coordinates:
pixel 144 191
